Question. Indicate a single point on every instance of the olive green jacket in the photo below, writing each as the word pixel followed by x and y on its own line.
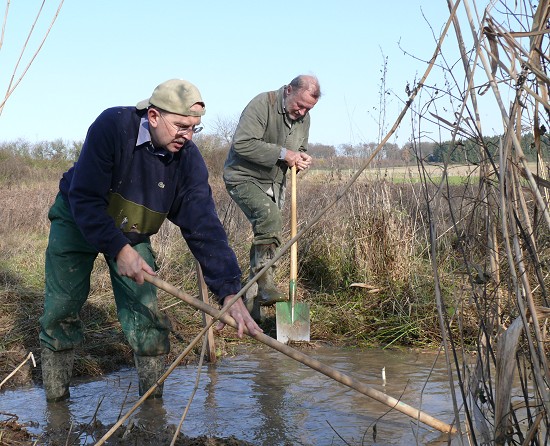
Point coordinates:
pixel 262 131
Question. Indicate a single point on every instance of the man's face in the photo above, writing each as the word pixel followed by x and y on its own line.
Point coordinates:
pixel 170 130
pixel 298 103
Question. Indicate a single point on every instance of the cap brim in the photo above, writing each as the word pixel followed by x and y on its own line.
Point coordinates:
pixel 143 104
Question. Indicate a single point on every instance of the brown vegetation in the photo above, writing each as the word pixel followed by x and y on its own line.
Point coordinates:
pixel 374 236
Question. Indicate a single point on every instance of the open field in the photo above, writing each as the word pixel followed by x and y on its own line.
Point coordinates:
pixel 457 174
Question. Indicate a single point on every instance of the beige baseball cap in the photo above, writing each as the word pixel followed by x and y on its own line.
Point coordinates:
pixel 175 96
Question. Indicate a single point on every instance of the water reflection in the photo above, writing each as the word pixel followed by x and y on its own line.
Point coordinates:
pixel 266 398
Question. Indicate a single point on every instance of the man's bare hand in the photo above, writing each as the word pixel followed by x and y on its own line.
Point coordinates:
pixel 242 317
pixel 131 264
pixel 304 162
pixel 301 160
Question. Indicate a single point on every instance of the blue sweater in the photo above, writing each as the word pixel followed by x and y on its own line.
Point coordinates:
pixel 120 193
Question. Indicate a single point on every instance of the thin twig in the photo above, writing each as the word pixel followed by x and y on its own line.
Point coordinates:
pixel 11 90
pixel 29 356
pixel 199 368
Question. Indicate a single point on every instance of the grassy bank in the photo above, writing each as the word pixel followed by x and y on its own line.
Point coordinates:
pixel 364 269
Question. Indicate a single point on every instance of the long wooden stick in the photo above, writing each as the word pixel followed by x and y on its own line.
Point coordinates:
pixel 307 360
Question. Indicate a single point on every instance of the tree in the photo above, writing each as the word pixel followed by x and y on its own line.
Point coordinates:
pixel 321 151
pixel 224 128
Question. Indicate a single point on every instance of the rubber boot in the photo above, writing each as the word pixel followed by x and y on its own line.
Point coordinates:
pixel 252 292
pixel 57 370
pixel 149 370
pixel 268 293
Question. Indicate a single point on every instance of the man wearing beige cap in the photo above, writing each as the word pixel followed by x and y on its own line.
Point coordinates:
pixel 138 166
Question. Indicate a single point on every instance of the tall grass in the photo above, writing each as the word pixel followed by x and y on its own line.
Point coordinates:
pixel 363 268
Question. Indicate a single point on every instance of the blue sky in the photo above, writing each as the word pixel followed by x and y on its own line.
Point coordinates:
pixel 104 53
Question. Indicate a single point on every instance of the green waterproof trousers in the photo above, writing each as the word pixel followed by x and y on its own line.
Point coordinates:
pixel 262 211
pixel 69 263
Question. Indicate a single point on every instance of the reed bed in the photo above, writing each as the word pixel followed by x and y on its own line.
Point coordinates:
pixel 500 222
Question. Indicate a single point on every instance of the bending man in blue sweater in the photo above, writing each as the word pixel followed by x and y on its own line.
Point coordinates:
pixel 138 166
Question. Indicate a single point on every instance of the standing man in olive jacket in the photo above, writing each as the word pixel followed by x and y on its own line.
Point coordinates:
pixel 138 166
pixel 271 136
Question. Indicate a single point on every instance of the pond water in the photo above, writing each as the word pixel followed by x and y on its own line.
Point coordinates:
pixel 265 398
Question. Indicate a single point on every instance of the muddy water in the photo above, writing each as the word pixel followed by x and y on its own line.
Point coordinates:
pixel 265 398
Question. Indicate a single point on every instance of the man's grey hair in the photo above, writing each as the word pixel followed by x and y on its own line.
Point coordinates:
pixel 307 82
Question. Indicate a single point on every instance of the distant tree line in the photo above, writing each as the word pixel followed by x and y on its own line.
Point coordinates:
pixel 56 150
pixel 214 148
pixel 462 151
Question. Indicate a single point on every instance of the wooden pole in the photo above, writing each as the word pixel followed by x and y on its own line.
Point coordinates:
pixel 306 360
pixel 294 247
pixel 206 318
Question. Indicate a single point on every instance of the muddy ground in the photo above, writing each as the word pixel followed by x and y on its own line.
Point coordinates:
pixel 12 433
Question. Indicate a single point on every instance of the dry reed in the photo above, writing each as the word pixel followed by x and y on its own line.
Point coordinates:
pixel 501 232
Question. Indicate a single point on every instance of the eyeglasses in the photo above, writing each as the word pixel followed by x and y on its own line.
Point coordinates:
pixel 180 130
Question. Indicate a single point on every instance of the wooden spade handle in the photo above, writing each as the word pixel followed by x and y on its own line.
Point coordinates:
pixel 293 231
